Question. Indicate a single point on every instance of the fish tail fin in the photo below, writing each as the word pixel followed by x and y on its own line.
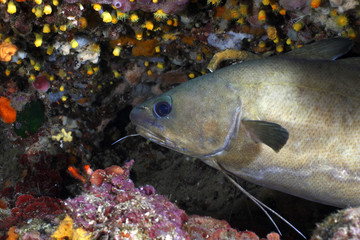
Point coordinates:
pixel 260 204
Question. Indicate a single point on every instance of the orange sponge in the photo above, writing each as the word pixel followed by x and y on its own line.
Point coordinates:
pixel 7 112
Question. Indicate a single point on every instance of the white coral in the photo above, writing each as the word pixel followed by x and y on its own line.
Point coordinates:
pixel 344 5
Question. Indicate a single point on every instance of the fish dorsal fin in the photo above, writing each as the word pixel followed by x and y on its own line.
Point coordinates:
pixel 327 49
pixel 269 133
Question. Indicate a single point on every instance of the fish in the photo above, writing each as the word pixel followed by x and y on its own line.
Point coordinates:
pixel 289 122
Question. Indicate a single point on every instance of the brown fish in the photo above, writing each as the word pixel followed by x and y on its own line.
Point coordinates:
pixel 290 123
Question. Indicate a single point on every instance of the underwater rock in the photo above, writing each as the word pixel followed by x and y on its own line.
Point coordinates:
pixel 345 224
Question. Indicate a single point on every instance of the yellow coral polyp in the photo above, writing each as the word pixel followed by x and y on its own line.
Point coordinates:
pixel 280 48
pixel 191 75
pixel 243 9
pixel 160 15
pixel 235 14
pixel 38 39
pixel 11 7
pixel 62 28
pixel 139 36
pixel 298 26
pixel 342 20
pixel 214 2
pixel 106 17
pixel 46 28
pixel 74 43
pixel 55 2
pixel 333 12
pixel 83 22
pixel 38 2
pixel 134 17
pixel 274 6
pixel 262 16
pixel 37 67
pixel 262 44
pixel 116 74
pixel 89 71
pixel 38 11
pixel 97 7
pixel 121 16
pixel 315 3
pixel 149 25
pixel 265 2
pixel 160 65
pixel 241 20
pixel 114 19
pixel 116 51
pixel 351 33
pixel 7 72
pixel 47 9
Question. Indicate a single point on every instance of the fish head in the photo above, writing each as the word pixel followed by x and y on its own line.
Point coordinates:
pixel 196 118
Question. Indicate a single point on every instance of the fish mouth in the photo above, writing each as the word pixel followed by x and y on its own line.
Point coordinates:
pixel 161 140
pixel 156 138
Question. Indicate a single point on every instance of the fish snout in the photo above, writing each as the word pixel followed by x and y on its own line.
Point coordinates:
pixel 137 115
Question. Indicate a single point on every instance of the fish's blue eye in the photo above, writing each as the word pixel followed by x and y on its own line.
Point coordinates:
pixel 162 109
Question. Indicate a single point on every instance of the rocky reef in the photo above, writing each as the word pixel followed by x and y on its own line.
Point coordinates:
pixel 71 71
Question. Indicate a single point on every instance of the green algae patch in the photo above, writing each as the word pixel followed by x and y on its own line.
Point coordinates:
pixel 30 119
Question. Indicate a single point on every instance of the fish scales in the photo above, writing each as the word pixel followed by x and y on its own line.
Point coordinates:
pixel 316 101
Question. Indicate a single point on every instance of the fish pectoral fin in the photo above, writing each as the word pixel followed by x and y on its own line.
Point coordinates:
pixel 269 133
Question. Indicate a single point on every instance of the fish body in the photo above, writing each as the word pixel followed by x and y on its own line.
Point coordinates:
pixel 287 123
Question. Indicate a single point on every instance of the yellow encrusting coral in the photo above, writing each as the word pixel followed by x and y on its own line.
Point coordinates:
pixel 65 136
pixel 64 230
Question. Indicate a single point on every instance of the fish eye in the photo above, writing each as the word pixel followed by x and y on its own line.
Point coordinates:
pixel 162 109
pixel 162 106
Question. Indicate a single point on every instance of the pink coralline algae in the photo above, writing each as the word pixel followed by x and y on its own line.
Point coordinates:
pixel 112 207
pixel 343 225
pixel 115 208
